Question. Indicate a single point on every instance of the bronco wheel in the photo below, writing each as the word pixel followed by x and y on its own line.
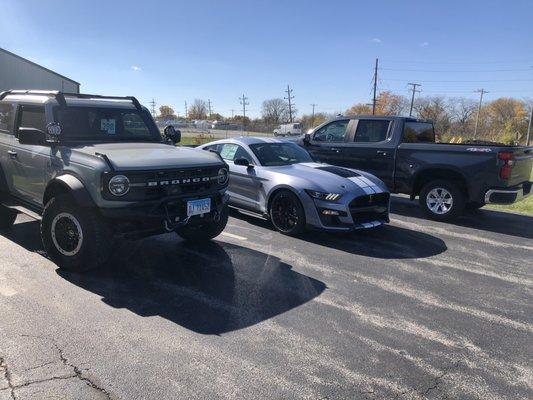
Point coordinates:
pixel 205 231
pixel 76 239
pixel 442 200
pixel 287 213
pixel 7 217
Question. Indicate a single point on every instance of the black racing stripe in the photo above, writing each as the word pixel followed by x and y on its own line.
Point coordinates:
pixel 345 173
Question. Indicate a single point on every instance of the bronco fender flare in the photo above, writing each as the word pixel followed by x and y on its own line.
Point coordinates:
pixel 69 184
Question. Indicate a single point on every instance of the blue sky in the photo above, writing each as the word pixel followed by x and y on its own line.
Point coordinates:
pixel 178 51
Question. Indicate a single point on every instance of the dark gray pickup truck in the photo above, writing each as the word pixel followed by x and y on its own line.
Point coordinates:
pixel 403 153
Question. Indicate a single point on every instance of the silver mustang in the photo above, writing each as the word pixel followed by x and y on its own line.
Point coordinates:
pixel 278 180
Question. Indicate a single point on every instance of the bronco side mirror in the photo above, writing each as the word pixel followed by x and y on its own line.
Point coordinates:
pixel 172 134
pixel 31 137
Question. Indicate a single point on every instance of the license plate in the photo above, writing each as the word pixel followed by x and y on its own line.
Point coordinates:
pixel 196 207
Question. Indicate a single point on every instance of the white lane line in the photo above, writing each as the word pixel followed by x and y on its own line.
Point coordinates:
pixel 231 235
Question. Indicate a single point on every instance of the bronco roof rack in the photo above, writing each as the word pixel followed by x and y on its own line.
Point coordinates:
pixel 60 96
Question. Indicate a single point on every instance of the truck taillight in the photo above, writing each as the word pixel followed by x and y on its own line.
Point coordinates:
pixel 508 161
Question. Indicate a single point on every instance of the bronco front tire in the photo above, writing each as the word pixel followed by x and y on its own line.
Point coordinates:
pixel 205 231
pixel 77 239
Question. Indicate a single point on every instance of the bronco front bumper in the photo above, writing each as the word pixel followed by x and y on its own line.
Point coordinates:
pixel 167 213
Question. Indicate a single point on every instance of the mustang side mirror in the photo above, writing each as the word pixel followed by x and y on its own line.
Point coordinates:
pixel 31 136
pixel 243 162
pixel 172 134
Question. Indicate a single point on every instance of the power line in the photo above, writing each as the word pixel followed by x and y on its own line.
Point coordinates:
pixel 457 70
pixel 460 62
pixel 466 81
pixel 289 98
pixel 414 85
pixel 481 92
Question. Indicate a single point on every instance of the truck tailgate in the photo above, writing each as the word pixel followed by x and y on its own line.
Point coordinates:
pixel 523 164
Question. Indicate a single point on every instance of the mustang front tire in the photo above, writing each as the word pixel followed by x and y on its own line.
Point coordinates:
pixel 77 239
pixel 287 213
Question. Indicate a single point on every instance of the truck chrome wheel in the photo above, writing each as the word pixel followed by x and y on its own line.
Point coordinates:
pixel 439 201
pixel 67 234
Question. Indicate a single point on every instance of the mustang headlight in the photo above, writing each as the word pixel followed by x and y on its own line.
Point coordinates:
pixel 119 185
pixel 324 196
pixel 222 176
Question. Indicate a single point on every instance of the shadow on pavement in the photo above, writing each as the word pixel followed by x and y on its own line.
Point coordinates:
pixel 483 219
pixel 384 242
pixel 211 288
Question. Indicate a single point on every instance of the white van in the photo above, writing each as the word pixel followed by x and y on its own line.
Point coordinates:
pixel 288 129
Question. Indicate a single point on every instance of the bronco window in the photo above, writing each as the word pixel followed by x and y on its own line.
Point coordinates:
pixel 32 117
pixel 7 115
pixel 106 124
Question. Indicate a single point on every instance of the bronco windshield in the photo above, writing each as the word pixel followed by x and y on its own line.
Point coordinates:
pixel 100 124
pixel 274 154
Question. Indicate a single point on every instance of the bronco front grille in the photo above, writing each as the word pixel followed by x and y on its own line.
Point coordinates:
pixel 153 185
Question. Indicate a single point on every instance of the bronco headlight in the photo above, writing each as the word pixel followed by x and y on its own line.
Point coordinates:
pixel 222 176
pixel 119 185
pixel 324 196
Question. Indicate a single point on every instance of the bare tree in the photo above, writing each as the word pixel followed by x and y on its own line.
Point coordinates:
pixel 198 109
pixel 435 109
pixel 462 111
pixel 275 111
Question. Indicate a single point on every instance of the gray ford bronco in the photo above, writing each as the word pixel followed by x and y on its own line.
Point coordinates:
pixel 93 168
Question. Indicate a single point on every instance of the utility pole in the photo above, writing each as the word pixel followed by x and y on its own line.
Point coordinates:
pixel 152 107
pixel 244 103
pixel 414 85
pixel 209 107
pixel 186 111
pixel 289 98
pixel 375 87
pixel 232 113
pixel 529 125
pixel 313 114
pixel 481 92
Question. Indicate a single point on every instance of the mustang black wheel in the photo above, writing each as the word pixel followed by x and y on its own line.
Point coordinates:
pixel 287 213
pixel 76 239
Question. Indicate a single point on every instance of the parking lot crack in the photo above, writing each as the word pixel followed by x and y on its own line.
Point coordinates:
pixel 439 378
pixel 7 377
pixel 78 373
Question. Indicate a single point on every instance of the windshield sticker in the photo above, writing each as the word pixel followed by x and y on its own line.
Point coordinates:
pixel 108 125
pixel 228 152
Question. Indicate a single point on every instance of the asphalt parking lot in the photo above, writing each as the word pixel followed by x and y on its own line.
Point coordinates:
pixel 416 309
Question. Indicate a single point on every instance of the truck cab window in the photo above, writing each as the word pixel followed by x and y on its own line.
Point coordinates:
pixel 332 132
pixel 32 117
pixel 372 130
pixel 418 132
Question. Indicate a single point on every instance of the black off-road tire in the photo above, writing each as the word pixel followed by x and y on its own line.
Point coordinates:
pixel 96 235
pixel 203 232
pixel 7 217
pixel 451 190
pixel 286 202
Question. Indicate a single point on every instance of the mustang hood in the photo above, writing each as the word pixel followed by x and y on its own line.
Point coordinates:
pixel 139 156
pixel 333 179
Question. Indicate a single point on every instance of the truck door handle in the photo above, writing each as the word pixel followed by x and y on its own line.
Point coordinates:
pixel 381 153
pixel 12 154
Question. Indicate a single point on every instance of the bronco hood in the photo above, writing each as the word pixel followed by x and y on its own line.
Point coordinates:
pixel 141 156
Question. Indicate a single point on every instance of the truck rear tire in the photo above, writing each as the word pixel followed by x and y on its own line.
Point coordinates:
pixel 7 217
pixel 77 239
pixel 442 200
pixel 205 231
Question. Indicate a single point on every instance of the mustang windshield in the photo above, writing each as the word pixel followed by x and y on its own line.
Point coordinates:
pixel 273 154
pixel 106 124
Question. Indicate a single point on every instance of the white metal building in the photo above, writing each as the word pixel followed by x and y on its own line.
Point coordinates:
pixel 18 73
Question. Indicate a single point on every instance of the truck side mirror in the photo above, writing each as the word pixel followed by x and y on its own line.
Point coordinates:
pixel 172 134
pixel 307 138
